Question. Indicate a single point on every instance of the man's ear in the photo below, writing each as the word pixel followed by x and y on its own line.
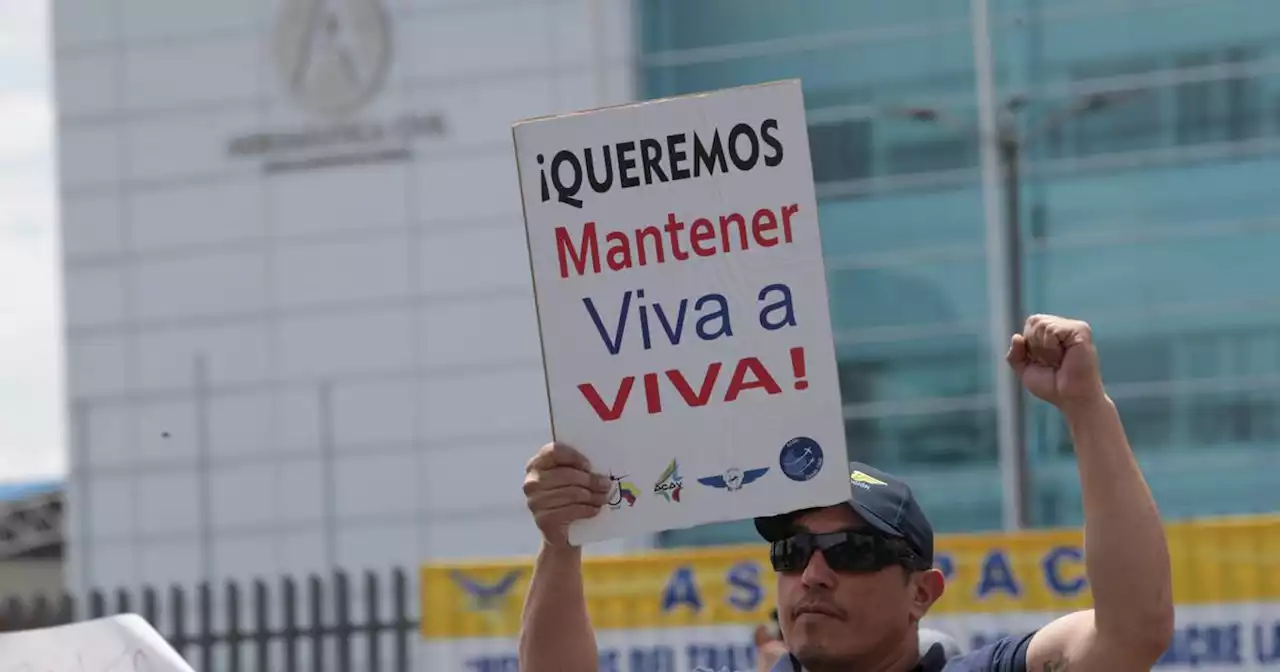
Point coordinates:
pixel 927 587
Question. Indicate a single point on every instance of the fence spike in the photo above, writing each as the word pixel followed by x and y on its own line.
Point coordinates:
pixel 150 606
pixel 204 593
pixel 290 628
pixel 315 591
pixel 402 625
pixel 232 635
pixel 261 626
pixel 372 620
pixel 97 604
pixel 179 637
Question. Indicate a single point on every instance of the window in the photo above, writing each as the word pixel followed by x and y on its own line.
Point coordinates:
pixel 840 150
pixel 1171 256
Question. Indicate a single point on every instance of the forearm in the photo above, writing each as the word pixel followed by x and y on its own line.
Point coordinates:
pixel 555 633
pixel 1126 554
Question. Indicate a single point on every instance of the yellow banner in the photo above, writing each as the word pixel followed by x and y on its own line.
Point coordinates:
pixel 1215 562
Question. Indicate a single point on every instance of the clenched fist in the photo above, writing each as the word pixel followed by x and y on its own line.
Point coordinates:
pixel 560 488
pixel 1056 360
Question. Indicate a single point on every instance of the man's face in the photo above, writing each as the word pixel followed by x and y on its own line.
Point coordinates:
pixel 831 618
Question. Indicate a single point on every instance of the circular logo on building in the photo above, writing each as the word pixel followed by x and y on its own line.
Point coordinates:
pixel 333 55
pixel 801 458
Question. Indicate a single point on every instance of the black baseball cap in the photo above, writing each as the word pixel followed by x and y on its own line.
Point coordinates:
pixel 881 499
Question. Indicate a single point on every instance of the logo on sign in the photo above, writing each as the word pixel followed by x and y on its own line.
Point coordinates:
pixel 864 480
pixel 486 597
pixel 621 491
pixel 801 458
pixel 332 58
pixel 333 55
pixel 733 479
pixel 670 483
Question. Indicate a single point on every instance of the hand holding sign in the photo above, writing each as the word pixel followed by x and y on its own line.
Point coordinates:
pixel 560 489
pixel 682 305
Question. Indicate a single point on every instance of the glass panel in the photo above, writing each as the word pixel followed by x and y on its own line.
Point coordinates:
pixel 896 225
pixel 861 64
pixel 1194 276
pixel 929 368
pixel 840 150
pixel 948 458
pixel 913 439
pixel 907 295
pixel 1151 213
pixel 1203 453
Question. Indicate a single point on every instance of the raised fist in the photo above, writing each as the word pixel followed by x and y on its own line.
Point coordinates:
pixel 560 488
pixel 1056 360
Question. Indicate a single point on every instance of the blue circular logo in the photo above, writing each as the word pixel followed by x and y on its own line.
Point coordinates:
pixel 801 458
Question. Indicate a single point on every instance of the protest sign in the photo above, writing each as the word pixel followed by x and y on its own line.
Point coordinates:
pixel 124 643
pixel 682 304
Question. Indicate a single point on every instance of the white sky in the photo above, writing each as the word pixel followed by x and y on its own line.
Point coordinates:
pixel 32 428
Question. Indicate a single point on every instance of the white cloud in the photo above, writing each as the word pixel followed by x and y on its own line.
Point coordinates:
pixel 24 26
pixel 31 418
pixel 29 209
pixel 28 123
pixel 32 424
pixel 27 194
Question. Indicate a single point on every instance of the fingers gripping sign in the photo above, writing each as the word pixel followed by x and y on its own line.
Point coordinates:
pixel 1056 359
pixel 560 488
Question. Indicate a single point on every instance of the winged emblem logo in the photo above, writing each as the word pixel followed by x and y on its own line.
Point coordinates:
pixel 486 597
pixel 865 478
pixel 734 479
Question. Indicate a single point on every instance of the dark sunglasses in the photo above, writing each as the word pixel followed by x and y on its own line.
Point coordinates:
pixel 844 551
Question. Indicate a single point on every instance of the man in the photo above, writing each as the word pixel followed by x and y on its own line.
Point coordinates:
pixel 855 579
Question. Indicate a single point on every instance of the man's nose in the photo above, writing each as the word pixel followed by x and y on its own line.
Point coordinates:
pixel 818 573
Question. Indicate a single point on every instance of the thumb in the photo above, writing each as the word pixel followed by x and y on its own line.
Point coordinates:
pixel 1017 354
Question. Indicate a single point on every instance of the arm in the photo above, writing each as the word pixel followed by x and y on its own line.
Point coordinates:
pixel 555 632
pixel 555 629
pixel 1126 555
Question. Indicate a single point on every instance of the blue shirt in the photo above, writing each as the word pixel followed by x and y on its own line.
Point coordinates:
pixel 1004 655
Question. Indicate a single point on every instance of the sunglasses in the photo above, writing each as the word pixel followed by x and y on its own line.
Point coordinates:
pixel 845 551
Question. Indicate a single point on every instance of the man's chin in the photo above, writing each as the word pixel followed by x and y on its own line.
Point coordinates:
pixel 821 635
pixel 817 656
pixel 817 619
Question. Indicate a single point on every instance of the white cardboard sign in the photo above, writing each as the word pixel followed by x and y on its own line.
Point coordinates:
pixel 124 643
pixel 682 304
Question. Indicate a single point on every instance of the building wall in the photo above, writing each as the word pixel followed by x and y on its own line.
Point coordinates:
pixel 315 349
pixel 1154 217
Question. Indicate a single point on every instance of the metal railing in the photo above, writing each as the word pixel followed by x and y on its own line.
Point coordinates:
pixel 293 625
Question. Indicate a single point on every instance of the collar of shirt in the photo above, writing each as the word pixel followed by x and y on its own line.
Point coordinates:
pixel 934 660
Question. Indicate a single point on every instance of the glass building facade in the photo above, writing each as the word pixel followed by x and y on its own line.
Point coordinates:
pixel 1148 133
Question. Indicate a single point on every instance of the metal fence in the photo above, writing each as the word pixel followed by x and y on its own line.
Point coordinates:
pixel 315 629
